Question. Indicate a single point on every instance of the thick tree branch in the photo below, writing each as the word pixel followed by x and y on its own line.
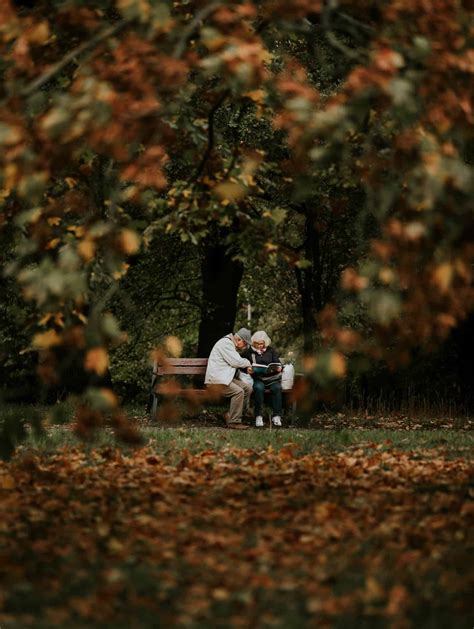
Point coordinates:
pixel 79 50
pixel 210 136
pixel 357 23
pixel 192 26
pixel 235 152
pixel 330 35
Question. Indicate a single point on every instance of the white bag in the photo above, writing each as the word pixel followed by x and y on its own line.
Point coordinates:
pixel 287 377
pixel 246 377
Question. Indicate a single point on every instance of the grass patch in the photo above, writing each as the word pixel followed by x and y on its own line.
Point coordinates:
pixel 47 429
pixel 175 440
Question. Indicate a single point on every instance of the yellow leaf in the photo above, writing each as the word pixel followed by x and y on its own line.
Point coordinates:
pixel 129 241
pixel 337 364
pixel 38 34
pixel 45 318
pixel 103 529
pixel 52 244
pixel 373 590
pixel 212 38
pixel 9 135
pixel 114 575
pixel 397 600
pixel 71 182
pixel 77 230
pixel 415 230
pixel 86 249
pixel 442 276
pixel 44 340
pixel 248 180
pixel 258 96
pixel 97 360
pixel 386 275
pixel 109 396
pixel 463 270
pixel 7 482
pixel 121 272
pixel 115 545
pixel 271 247
pixel 11 173
pixel 54 220
pixel 230 191
pixel 80 316
pixel 173 345
pixel 446 320
pixel 220 594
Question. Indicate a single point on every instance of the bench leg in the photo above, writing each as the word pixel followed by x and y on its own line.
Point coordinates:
pixel 154 406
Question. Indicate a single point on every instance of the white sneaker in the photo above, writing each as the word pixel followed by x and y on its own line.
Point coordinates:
pixel 276 420
pixel 259 421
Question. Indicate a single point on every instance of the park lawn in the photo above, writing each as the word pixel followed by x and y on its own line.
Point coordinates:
pixel 205 527
pixel 171 438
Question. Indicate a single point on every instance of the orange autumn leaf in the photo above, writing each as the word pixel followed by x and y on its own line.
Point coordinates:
pixel 38 34
pixel 77 230
pixel 442 276
pixel 121 271
pixel 7 481
pixel 174 346
pixel 44 340
pixel 97 359
pixel 230 191
pixel 86 249
pixel 52 244
pixel 129 241
pixel 337 364
pixel 109 396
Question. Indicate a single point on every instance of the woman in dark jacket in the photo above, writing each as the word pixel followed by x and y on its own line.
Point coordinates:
pixel 261 353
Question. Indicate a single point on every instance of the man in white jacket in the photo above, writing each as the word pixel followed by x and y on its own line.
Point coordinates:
pixel 223 362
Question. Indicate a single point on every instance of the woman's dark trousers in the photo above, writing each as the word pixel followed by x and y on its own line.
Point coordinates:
pixel 275 394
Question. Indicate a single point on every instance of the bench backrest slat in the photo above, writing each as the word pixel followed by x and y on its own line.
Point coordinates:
pixel 177 370
pixel 201 362
pixel 183 366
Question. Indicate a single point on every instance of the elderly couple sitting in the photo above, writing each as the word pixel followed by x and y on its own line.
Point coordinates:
pixel 226 365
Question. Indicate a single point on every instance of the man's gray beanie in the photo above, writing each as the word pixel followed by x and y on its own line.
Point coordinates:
pixel 245 335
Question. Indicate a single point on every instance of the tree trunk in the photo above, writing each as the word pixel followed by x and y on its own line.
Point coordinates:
pixel 307 309
pixel 221 276
pixel 309 281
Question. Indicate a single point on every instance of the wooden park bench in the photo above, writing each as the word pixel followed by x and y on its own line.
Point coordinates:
pixel 160 387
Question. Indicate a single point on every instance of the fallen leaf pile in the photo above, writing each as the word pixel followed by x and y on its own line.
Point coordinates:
pixel 321 421
pixel 235 538
pixel 389 421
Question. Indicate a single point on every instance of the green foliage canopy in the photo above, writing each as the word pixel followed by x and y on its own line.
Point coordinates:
pixel 137 118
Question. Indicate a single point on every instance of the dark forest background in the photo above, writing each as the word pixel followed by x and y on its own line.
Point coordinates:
pixel 314 163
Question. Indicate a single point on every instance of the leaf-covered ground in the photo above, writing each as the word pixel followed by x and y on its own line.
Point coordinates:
pixel 330 420
pixel 236 538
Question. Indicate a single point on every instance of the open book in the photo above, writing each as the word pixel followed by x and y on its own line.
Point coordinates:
pixel 266 370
